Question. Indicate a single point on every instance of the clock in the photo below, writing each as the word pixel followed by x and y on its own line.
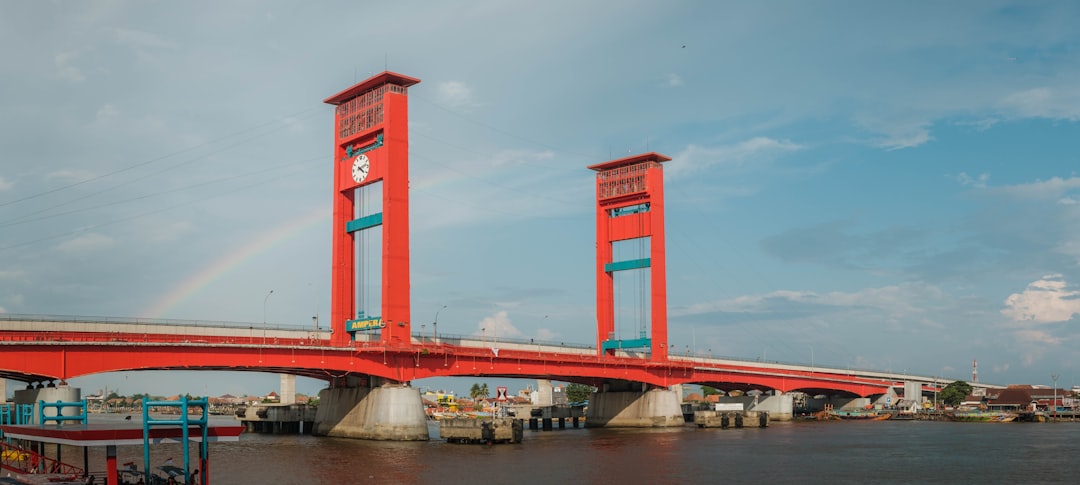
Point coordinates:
pixel 360 167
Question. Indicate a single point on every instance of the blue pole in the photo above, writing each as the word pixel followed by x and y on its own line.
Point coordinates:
pixel 187 459
pixel 146 437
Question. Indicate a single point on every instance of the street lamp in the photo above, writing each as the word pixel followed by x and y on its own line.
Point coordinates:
pixel 1055 378
pixel 264 306
pixel 435 324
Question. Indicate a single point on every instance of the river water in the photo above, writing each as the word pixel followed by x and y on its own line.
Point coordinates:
pixel 785 452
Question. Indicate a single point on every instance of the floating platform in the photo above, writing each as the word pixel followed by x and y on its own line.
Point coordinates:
pixel 731 419
pixel 482 431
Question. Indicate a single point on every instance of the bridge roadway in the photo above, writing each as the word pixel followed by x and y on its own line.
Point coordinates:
pixel 41 348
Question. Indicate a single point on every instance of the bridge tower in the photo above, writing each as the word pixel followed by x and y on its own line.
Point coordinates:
pixel 370 275
pixel 630 208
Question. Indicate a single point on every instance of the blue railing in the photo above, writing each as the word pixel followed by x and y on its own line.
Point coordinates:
pixel 16 413
pixel 59 417
pixel 184 422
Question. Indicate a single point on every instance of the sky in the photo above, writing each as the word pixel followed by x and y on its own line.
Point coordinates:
pixel 883 185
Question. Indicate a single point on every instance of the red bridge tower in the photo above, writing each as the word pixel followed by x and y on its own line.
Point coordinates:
pixel 630 207
pixel 370 286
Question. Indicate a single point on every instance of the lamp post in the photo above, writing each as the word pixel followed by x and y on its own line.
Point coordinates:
pixel 435 324
pixel 811 359
pixel 264 306
pixel 1054 377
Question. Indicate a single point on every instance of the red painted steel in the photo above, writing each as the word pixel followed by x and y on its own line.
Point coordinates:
pixel 375 107
pixel 45 354
pixel 628 182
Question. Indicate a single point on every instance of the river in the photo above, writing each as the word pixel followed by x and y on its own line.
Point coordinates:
pixel 785 452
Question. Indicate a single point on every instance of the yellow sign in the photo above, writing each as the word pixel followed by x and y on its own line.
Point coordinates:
pixel 365 324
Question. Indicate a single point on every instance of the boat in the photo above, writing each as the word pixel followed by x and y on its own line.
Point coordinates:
pixel 868 414
pixel 981 417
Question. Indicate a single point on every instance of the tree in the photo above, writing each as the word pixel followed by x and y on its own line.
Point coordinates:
pixel 954 393
pixel 707 391
pixel 578 392
pixel 478 390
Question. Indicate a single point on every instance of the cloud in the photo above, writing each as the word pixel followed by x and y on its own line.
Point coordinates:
pixel 12 274
pixel 85 242
pixel 545 334
pixel 1043 102
pixel 1043 216
pixel 757 151
pixel 497 325
pixel 140 39
pixel 1034 336
pixel 978 182
pixel 5 184
pixel 673 80
pixel 107 112
pixel 895 134
pixel 65 70
pixel 454 94
pixel 894 301
pixel 1055 189
pixel 1046 300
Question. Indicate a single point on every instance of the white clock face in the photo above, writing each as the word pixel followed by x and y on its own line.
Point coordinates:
pixel 360 167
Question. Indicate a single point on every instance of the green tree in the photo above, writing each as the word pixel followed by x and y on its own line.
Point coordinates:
pixel 478 390
pixel 954 393
pixel 707 391
pixel 578 392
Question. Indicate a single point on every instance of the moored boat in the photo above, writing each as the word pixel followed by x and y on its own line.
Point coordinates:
pixel 981 417
pixel 858 414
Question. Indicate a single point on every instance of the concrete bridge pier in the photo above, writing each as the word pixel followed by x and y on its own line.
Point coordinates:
pixel 50 393
pixel 371 408
pixel 625 404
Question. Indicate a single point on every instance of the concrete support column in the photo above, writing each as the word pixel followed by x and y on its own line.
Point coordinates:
pixel 545 393
pixel 389 412
pixel 62 393
pixel 3 391
pixel 288 389
pixel 617 408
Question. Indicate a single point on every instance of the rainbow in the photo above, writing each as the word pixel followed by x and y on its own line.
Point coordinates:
pixel 232 260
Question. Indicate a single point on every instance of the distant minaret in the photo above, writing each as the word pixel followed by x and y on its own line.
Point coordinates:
pixel 974 371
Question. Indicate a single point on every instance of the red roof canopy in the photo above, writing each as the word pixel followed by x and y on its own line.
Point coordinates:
pixel 386 77
pixel 643 157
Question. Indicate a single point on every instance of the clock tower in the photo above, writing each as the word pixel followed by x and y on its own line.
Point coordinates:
pixel 370 276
